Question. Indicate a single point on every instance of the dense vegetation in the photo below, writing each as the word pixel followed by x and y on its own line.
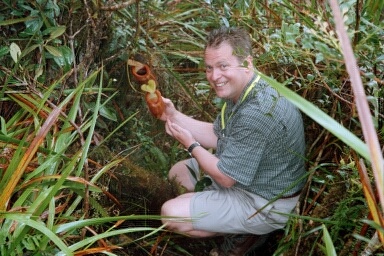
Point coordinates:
pixel 83 165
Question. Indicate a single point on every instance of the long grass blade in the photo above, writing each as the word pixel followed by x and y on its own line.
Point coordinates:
pixel 320 117
pixel 329 247
pixel 26 220
pixel 365 116
pixel 7 191
pixel 370 197
pixel 95 238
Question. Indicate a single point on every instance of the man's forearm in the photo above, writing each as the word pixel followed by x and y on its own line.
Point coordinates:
pixel 208 162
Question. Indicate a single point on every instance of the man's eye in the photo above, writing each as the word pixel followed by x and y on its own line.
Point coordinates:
pixel 208 69
pixel 223 67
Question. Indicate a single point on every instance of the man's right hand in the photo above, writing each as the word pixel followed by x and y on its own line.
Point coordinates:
pixel 169 110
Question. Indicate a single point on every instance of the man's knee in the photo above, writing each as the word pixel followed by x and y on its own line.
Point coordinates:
pixel 178 206
pixel 177 169
pixel 166 208
pixel 173 216
pixel 181 175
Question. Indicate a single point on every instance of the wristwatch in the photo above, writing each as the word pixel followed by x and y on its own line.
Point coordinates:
pixel 193 145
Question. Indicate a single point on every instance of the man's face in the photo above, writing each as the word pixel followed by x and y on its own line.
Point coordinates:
pixel 225 73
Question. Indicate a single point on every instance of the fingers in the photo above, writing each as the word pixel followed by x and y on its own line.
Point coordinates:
pixel 184 136
pixel 169 109
pixel 173 129
pixel 168 128
pixel 168 103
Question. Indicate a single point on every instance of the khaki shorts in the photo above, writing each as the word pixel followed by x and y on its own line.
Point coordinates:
pixel 231 210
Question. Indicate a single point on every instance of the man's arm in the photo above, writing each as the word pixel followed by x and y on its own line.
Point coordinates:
pixel 207 161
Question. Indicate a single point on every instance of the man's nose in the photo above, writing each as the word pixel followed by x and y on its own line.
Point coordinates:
pixel 215 74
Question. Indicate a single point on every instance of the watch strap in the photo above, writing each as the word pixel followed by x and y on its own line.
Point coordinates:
pixel 193 145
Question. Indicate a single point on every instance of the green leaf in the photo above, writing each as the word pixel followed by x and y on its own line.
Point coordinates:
pixel 202 184
pixel 225 21
pixel 3 125
pixel 159 157
pixel 56 32
pixel 26 220
pixel 15 52
pixel 66 58
pixel 30 49
pixel 108 113
pixel 319 57
pixel 38 72
pixel 29 243
pixel 329 247
pixel 53 50
pixel 93 239
pixel 3 51
pixel 321 118
pixel 374 9
pixel 14 21
pixel 32 27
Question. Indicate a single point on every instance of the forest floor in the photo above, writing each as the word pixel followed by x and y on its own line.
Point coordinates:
pixel 168 244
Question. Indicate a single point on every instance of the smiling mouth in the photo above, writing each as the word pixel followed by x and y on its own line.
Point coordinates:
pixel 220 84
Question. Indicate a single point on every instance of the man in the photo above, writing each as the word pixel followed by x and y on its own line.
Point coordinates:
pixel 258 168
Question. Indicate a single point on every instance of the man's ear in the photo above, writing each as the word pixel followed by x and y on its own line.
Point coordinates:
pixel 248 62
